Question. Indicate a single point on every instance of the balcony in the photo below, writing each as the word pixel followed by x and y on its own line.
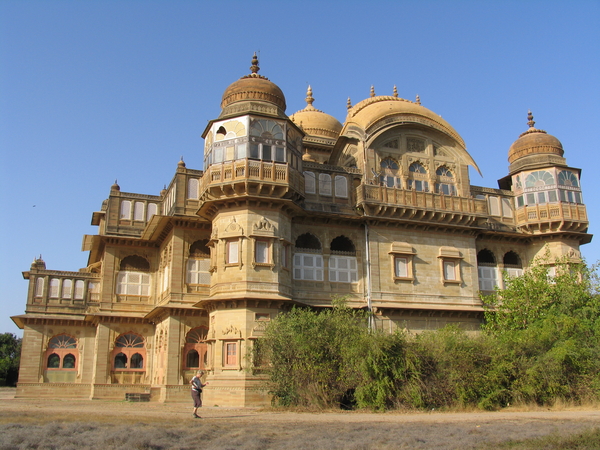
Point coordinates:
pixel 53 291
pixel 246 177
pixel 553 217
pixel 382 201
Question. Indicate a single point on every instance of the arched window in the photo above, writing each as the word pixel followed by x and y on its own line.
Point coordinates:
pixel 445 181
pixel 267 129
pixel 151 210
pixel 138 211
pixel 53 361
pixel 198 265
pixel 134 277
pixel 324 184
pixel 539 178
pixel 341 186
pixel 195 348
pixel 310 185
pixel 125 209
pixel 567 178
pixel 62 352
pixel 67 288
pixel 308 260
pixel 39 287
pixel 343 267
pixel 487 270
pixel 129 352
pixel 512 264
pixel 54 287
pixel 418 177
pixel 389 173
pixel 79 289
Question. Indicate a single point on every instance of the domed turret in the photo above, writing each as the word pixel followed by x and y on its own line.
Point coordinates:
pixel 534 142
pixel 315 122
pixel 252 88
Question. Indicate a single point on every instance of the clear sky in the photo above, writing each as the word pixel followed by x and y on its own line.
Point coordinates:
pixel 93 91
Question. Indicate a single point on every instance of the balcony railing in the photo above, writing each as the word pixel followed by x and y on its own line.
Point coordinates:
pixel 552 212
pixel 251 170
pixel 420 200
pixel 53 288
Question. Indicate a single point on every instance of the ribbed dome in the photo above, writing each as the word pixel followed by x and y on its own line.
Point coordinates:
pixel 315 122
pixel 253 87
pixel 534 142
pixel 383 107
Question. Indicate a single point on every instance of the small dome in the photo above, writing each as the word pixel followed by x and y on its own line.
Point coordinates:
pixel 315 122
pixel 253 87
pixel 534 142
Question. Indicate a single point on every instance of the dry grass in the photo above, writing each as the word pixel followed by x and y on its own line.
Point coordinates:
pixel 55 424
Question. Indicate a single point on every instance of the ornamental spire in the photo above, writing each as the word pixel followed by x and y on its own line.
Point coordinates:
pixel 349 103
pixel 395 92
pixel 254 67
pixel 372 91
pixel 309 97
pixel 530 121
pixel 418 100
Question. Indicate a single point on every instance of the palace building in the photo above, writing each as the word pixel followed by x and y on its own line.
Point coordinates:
pixel 290 211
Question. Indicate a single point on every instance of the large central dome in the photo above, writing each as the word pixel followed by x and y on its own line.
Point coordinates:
pixel 253 87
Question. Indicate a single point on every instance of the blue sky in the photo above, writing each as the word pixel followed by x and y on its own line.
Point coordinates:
pixel 93 91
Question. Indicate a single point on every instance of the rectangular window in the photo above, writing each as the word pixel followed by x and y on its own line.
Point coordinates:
pixel 254 151
pixel 229 153
pixel 541 198
pixel 266 153
pixel 192 192
pixel 401 267
pixel 133 283
pixel 198 271
pixel 39 287
pixel 279 154
pixel 552 198
pixel 240 150
pixel 310 184
pixel 308 267
pixel 487 278
pixel 285 256
pixel 520 202
pixel 343 269
pixel 232 252
pixel 261 252
pixel 506 208
pixel 218 155
pixel 494 206
pixel 230 354
pixel 450 271
pixel 151 210
pixel 530 199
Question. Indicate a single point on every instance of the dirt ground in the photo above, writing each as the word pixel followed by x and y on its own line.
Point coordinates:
pixel 118 424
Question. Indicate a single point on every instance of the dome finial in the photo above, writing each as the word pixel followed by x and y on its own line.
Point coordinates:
pixel 530 121
pixel 418 100
pixel 254 67
pixel 309 97
pixel 349 103
pixel 372 91
pixel 395 91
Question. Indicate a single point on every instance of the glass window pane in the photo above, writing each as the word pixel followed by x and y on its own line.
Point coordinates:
pixel 279 154
pixel 266 153
pixel 254 151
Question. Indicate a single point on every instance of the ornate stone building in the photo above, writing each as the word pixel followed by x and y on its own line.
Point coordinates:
pixel 290 210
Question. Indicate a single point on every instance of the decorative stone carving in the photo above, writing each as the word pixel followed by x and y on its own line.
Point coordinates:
pixel 231 330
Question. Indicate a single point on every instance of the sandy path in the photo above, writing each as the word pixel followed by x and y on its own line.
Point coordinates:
pixel 264 429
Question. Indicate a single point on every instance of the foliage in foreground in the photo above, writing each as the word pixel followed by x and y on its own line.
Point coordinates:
pixel 10 353
pixel 540 344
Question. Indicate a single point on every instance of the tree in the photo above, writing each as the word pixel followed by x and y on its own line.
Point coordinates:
pixel 10 353
pixel 548 334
